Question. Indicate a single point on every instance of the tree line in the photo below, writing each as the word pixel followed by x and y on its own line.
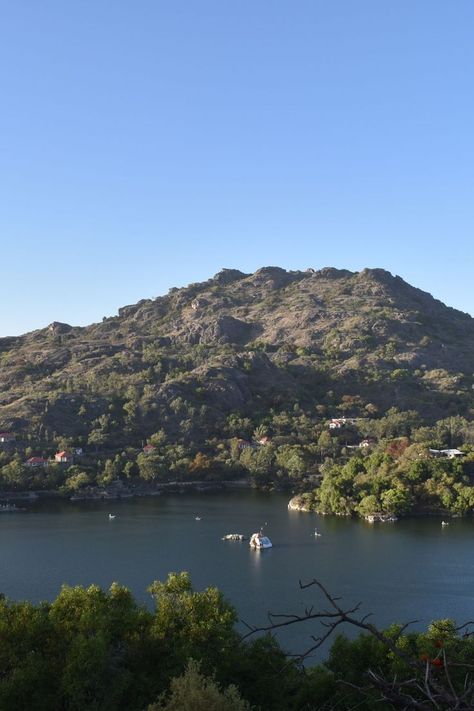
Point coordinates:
pixel 91 649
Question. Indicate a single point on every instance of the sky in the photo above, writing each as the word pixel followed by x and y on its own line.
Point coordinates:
pixel 145 145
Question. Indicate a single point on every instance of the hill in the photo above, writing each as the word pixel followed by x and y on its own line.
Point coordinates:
pixel 347 343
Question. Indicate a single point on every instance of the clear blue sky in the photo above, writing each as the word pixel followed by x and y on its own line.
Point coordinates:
pixel 148 144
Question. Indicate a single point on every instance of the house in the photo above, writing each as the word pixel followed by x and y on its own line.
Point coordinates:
pixel 243 444
pixel 36 462
pixel 452 453
pixel 264 440
pixel 449 453
pixel 338 422
pixel 148 448
pixel 64 457
pixel 366 443
pixel 7 436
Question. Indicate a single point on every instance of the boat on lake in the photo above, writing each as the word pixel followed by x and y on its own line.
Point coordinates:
pixel 258 541
pixel 234 537
pixel 10 508
pixel 380 518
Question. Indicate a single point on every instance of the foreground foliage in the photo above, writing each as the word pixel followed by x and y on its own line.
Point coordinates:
pixel 95 649
pixel 194 692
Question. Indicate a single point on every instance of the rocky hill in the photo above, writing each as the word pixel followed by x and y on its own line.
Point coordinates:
pixel 330 341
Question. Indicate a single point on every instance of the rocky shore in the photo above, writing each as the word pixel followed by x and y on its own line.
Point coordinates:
pixel 119 490
pixel 298 503
pixel 301 503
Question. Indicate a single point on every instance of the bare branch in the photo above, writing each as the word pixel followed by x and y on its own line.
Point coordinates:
pixel 424 691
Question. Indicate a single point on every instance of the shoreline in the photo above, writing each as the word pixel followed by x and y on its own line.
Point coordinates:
pixel 296 504
pixel 122 492
pixel 118 492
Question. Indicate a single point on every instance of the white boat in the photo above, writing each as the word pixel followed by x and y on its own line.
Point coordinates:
pixel 234 537
pixel 198 518
pixel 111 516
pixel 444 523
pixel 380 517
pixel 259 541
pixel 9 508
pixel 317 534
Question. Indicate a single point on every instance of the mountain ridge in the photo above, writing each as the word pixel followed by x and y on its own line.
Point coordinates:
pixel 244 342
pixel 228 275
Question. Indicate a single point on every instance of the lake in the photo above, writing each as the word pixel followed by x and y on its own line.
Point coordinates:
pixel 411 569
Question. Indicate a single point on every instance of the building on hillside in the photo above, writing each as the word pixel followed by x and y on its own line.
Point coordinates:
pixel 264 440
pixel 449 453
pixel 243 444
pixel 337 422
pixel 148 448
pixel 36 462
pixel 366 443
pixel 64 457
pixel 7 436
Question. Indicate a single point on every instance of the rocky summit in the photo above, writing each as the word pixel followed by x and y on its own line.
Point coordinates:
pixel 341 341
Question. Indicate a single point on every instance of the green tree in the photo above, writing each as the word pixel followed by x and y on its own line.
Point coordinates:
pixel 397 501
pixel 158 439
pixel 199 625
pixel 368 505
pixel 152 466
pixel 325 444
pixel 77 481
pixel 195 692
pixel 259 432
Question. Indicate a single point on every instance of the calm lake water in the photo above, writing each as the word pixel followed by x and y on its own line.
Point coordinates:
pixel 411 569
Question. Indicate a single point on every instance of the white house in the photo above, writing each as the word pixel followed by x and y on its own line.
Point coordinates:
pixel 449 453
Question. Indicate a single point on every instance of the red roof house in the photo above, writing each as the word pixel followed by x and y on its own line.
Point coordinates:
pixel 64 457
pixel 36 462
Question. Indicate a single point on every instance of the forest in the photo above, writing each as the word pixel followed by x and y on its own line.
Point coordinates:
pixel 91 649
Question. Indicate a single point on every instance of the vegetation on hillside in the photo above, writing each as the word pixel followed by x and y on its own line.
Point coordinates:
pixel 343 471
pixel 399 475
pixel 239 376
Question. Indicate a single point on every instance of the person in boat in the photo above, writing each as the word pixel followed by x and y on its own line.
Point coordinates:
pixel 258 541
